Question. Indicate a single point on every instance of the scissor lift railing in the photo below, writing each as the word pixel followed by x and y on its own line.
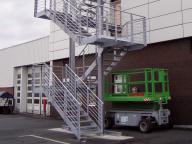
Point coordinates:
pixel 140 85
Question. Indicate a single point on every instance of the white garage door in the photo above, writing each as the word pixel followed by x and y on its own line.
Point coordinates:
pixel 35 98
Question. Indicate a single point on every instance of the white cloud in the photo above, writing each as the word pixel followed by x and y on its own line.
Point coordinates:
pixel 17 23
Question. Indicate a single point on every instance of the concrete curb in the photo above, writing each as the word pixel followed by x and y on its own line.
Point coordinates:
pixel 186 127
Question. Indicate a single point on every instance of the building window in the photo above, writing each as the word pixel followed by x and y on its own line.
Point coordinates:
pixel 37 81
pixel 29 101
pixel 18 101
pixel 37 75
pixel 29 75
pixel 29 88
pixel 36 101
pixel 37 86
pixel 18 76
pixel 18 94
pixel 18 88
pixel 29 81
pixel 36 95
pixel 29 94
pixel 18 81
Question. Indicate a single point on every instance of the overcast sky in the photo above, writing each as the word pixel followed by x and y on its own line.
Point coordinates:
pixel 17 23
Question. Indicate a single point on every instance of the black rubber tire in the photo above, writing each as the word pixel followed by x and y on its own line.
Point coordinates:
pixel 109 123
pixel 145 125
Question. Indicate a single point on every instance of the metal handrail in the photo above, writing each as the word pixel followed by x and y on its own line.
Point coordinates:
pixel 85 96
pixel 65 103
pixel 81 81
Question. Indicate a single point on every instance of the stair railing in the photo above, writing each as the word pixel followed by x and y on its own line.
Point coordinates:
pixel 90 103
pixel 61 98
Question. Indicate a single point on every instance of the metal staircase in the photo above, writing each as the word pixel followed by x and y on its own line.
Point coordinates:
pixel 105 31
pixel 74 101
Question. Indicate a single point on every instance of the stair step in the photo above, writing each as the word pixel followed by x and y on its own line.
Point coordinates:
pixel 87 122
pixel 109 65
pixel 81 112
pixel 113 60
pixel 88 127
pixel 118 56
pixel 89 132
pixel 84 121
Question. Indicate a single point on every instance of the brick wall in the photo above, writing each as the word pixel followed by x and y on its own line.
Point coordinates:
pixel 176 56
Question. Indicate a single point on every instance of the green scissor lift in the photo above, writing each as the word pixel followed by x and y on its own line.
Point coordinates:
pixel 138 98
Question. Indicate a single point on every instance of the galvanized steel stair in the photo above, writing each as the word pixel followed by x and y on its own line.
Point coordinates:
pixel 74 101
pixel 117 32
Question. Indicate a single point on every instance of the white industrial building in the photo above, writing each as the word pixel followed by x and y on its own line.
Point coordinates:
pixel 168 21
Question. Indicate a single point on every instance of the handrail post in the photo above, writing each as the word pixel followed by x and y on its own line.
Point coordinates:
pixel 102 122
pixel 84 61
pixel 87 101
pixel 75 90
pixel 79 123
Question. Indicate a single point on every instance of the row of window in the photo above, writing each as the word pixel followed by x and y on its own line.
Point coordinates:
pixel 35 95
pixel 18 84
pixel 37 75
pixel 37 79
pixel 29 101
pixel 30 94
pixel 36 101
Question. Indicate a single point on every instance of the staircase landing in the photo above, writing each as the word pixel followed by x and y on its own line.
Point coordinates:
pixel 110 41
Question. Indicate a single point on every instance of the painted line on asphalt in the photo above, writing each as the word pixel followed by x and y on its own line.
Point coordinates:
pixel 11 118
pixel 48 139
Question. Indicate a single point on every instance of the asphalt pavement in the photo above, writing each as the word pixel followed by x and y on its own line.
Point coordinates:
pixel 22 129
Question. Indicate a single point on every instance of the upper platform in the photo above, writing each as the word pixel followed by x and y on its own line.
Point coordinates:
pixel 115 28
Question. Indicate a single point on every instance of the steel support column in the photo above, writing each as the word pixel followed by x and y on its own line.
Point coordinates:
pixel 72 54
pixel 99 17
pixel 100 71
pixel 99 32
pixel 100 87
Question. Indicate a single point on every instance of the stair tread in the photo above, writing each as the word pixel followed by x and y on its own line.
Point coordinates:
pixel 113 60
pixel 84 121
pixel 89 127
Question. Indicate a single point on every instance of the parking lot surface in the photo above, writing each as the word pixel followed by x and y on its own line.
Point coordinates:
pixel 21 129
